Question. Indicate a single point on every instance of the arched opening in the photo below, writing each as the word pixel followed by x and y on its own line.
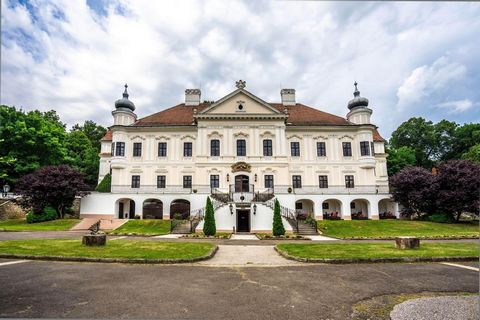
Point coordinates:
pixel 152 209
pixel 332 209
pixel 242 183
pixel 386 209
pixel 180 207
pixel 125 208
pixel 359 209
pixel 304 208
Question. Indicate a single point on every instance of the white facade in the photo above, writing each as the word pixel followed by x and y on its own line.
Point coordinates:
pixel 320 163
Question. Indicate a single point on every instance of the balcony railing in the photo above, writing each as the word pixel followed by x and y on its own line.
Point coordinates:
pixel 332 189
pixel 169 189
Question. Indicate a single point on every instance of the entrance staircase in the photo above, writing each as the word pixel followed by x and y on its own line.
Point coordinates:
pixel 196 216
pixel 105 224
pixel 300 227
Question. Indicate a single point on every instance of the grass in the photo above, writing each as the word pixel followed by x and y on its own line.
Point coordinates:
pixel 22 225
pixel 378 250
pixel 114 249
pixel 143 227
pixel 392 228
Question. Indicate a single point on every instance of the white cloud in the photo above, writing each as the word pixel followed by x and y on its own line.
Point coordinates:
pixel 456 106
pixel 425 80
pixel 78 65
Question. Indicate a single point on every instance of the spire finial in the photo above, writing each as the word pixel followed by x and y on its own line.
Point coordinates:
pixel 125 93
pixel 240 84
pixel 356 93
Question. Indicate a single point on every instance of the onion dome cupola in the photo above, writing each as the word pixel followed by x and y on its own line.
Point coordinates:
pixel 357 101
pixel 124 115
pixel 124 103
pixel 358 106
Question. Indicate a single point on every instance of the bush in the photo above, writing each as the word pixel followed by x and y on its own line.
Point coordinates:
pixel 47 214
pixel 440 218
pixel 105 185
pixel 177 216
pixel 209 227
pixel 137 217
pixel 278 229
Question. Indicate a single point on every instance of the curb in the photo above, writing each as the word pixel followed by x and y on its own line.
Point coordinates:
pixel 111 260
pixel 374 260
pixel 421 238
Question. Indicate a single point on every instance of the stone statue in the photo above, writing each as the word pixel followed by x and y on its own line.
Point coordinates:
pixel 95 227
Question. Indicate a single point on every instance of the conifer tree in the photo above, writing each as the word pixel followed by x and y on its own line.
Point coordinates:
pixel 278 229
pixel 209 228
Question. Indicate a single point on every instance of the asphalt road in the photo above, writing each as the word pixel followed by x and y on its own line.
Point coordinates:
pixel 87 290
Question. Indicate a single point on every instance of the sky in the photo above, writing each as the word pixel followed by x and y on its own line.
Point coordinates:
pixel 409 58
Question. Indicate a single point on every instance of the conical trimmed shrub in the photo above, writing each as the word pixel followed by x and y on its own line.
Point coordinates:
pixel 209 227
pixel 278 229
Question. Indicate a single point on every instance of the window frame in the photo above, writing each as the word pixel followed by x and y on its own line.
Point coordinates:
pixel 215 149
pixel 161 182
pixel 321 149
pixel 135 183
pixel 137 151
pixel 349 181
pixel 364 148
pixel 347 148
pixel 164 150
pixel 295 149
pixel 187 152
pixel 296 181
pixel 241 148
pixel 267 179
pixel 187 182
pixel 323 181
pixel 120 149
pixel 267 147
pixel 214 181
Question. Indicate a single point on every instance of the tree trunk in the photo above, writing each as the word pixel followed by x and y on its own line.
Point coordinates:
pixel 459 214
pixel 407 242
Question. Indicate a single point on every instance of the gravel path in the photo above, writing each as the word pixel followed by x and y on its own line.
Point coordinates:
pixel 438 308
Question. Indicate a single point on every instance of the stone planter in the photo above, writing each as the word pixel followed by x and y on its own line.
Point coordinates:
pixel 94 240
pixel 407 242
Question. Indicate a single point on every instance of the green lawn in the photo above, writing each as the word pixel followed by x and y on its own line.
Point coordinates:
pixel 144 227
pixel 113 249
pixel 393 228
pixel 378 250
pixel 22 225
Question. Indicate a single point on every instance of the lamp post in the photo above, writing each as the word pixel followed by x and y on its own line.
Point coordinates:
pixel 255 208
pixel 6 189
pixel 231 208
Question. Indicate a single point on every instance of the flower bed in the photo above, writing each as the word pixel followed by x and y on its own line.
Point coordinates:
pixel 264 236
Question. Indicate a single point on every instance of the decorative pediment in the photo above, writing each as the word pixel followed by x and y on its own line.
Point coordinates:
pixel 320 138
pixel 188 137
pixel 137 137
pixel 346 136
pixel 214 134
pixel 295 136
pixel 162 138
pixel 267 134
pixel 240 135
pixel 241 166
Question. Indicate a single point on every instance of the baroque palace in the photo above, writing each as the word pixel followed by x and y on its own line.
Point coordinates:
pixel 243 152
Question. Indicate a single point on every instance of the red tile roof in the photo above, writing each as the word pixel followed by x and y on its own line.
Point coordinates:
pixel 107 136
pixel 298 115
pixel 377 137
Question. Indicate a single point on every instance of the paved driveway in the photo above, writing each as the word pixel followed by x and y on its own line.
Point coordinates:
pixel 88 290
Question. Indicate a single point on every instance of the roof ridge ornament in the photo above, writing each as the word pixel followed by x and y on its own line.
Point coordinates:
pixel 240 84
pixel 356 93
pixel 124 103
pixel 125 93
pixel 357 100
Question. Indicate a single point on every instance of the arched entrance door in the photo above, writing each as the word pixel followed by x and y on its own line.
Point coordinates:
pixel 242 183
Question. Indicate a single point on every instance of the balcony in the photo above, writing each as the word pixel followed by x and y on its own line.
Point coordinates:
pixel 118 162
pixel 333 189
pixel 171 189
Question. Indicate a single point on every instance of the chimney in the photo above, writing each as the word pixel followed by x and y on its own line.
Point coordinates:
pixel 192 97
pixel 288 97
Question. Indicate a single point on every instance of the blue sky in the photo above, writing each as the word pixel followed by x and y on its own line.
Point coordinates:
pixel 410 59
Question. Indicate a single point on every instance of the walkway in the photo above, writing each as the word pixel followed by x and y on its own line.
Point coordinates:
pixel 247 256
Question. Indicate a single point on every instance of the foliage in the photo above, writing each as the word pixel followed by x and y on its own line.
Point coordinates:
pixel 278 228
pixel 365 229
pixel 177 216
pixel 106 184
pixel 439 218
pixel 209 227
pixel 47 214
pixel 434 142
pixel 458 185
pixel 473 153
pixel 414 189
pixel 34 139
pixel 54 186
pixel 399 158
